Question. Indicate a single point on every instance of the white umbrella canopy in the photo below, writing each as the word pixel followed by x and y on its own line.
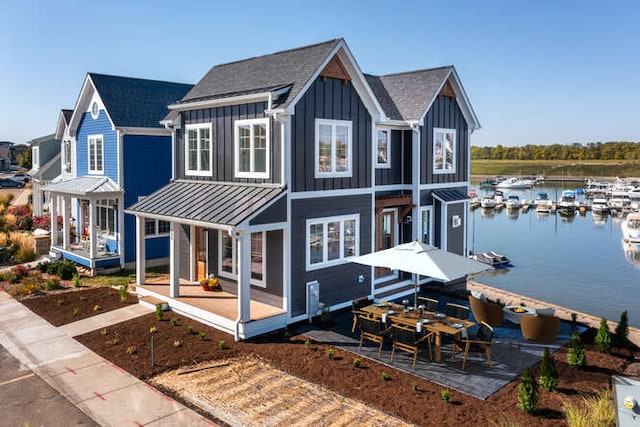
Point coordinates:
pixel 422 259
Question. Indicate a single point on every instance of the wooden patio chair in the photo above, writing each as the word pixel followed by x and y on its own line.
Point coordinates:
pixel 457 311
pixel 372 330
pixel 430 305
pixel 356 306
pixel 481 343
pixel 407 339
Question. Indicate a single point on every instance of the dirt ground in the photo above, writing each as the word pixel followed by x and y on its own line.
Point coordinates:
pixel 182 342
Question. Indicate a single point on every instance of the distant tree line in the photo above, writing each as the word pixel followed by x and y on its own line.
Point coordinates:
pixel 576 151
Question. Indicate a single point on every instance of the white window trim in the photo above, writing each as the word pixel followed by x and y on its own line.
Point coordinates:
pixel 455 149
pixel 110 205
pixel 333 124
pixel 325 220
pixel 198 172
pixel 387 164
pixel 67 155
pixel 35 157
pixel 94 114
pixel 234 263
pixel 95 171
pixel 156 232
pixel 236 148
pixel 430 210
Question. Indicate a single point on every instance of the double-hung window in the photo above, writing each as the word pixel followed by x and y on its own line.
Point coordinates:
pixel 67 155
pixel 228 257
pixel 156 228
pixel 95 147
pixel 330 240
pixel 198 156
pixel 251 139
pixel 383 149
pixel 444 150
pixel 333 148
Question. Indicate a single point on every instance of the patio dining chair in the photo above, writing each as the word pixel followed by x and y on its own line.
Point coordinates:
pixel 481 343
pixel 430 304
pixel 457 311
pixel 356 310
pixel 372 330
pixel 407 339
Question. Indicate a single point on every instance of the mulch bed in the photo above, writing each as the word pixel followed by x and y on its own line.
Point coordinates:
pixel 423 406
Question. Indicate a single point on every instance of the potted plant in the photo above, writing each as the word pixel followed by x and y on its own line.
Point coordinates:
pixel 210 284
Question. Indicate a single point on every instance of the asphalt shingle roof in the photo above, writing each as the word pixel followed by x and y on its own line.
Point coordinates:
pixel 264 73
pixel 133 102
pixel 211 202
pixel 406 96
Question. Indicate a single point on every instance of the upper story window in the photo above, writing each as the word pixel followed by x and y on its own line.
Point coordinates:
pixel 330 240
pixel 444 150
pixel 383 149
pixel 95 110
pixel 96 154
pixel 251 139
pixel 67 155
pixel 333 148
pixel 35 157
pixel 198 157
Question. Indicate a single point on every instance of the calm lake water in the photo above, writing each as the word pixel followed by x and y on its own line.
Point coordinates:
pixel 578 263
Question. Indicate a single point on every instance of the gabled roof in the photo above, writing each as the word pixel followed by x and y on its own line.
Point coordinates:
pixel 292 68
pixel 40 140
pixel 86 186
pixel 63 122
pixel 408 96
pixel 133 102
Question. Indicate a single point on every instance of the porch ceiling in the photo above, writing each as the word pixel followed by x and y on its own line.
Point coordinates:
pixel 207 202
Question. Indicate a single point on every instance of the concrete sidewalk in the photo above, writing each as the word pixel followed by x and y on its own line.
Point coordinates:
pixel 105 392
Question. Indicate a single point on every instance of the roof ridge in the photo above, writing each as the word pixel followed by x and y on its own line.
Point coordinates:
pixel 414 71
pixel 137 78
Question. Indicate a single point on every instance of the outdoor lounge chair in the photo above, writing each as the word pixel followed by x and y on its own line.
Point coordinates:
pixel 430 305
pixel 356 306
pixel 456 310
pixel 540 328
pixel 481 343
pixel 486 311
pixel 407 339
pixel 372 330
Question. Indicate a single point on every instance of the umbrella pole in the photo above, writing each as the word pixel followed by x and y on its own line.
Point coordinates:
pixel 415 292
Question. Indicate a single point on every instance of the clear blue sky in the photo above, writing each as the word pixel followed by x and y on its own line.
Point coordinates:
pixel 536 72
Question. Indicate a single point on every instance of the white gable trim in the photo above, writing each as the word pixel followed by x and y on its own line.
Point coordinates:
pixel 88 93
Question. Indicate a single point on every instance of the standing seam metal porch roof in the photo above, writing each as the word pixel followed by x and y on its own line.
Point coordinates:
pixel 85 186
pixel 450 196
pixel 212 202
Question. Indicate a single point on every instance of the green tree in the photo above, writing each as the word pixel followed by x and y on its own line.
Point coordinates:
pixel 548 373
pixel 602 341
pixel 576 356
pixel 622 328
pixel 24 160
pixel 528 392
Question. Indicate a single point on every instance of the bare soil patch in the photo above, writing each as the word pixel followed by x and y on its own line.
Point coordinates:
pixel 410 398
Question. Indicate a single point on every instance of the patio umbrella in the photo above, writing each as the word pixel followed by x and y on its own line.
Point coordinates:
pixel 422 259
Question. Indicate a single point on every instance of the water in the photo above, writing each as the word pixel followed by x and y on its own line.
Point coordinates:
pixel 578 263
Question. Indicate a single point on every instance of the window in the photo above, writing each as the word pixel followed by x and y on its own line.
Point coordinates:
pixel 198 155
pixel 96 154
pixel 330 240
pixel 444 150
pixel 252 148
pixel 426 226
pixel 106 220
pixel 156 228
pixel 228 259
pixel 383 149
pixel 95 110
pixel 35 157
pixel 333 148
pixel 67 155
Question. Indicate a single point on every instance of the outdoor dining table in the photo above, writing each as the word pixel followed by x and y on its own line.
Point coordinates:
pixel 432 322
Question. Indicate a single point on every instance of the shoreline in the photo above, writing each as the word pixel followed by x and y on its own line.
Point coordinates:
pixel 510 298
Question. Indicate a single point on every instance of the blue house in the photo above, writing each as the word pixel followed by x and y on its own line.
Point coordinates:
pixel 114 152
pixel 286 165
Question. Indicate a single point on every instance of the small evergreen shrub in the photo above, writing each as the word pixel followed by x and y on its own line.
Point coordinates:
pixel 66 270
pixel 602 341
pixel 75 312
pixel 330 353
pixel 576 355
pixel 528 392
pixel 76 281
pixel 622 328
pixel 445 394
pixel 548 374
pixel 384 376
pixel 307 343
pixel 124 292
pixel 159 312
pixel 201 335
pixel 222 344
pixel 174 321
pixel 189 329
pixel 356 362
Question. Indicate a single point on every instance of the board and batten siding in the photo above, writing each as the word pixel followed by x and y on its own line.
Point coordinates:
pixel 394 174
pixel 336 100
pixel 338 283
pixel 222 141
pixel 455 236
pixel 99 126
pixel 444 113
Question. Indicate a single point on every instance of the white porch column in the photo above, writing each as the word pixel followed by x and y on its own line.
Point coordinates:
pixel 120 227
pixel 54 219
pixel 66 226
pixel 244 276
pixel 174 260
pixel 93 230
pixel 141 259
pixel 193 263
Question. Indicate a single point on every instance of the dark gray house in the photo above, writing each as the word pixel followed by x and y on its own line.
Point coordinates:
pixel 287 164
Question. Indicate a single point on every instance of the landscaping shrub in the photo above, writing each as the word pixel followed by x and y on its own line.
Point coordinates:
pixel 548 373
pixel 594 409
pixel 528 392
pixel 622 328
pixel 602 341
pixel 63 269
pixel 576 355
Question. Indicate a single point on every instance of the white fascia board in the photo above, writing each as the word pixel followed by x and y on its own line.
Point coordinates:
pixel 86 93
pixel 61 126
pixel 126 130
pixel 232 100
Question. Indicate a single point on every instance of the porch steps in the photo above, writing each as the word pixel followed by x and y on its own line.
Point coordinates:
pixel 151 302
pixel 395 293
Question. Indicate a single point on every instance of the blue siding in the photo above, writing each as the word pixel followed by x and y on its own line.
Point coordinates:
pixel 147 167
pixel 100 126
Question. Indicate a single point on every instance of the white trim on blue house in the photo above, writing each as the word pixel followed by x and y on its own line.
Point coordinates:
pixel 333 172
pixel 198 128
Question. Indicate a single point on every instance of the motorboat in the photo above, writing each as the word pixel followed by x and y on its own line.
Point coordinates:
pixel 567 204
pixel 513 202
pixel 488 201
pixel 631 228
pixel 542 203
pixel 599 206
pixel 513 183
pixel 493 259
